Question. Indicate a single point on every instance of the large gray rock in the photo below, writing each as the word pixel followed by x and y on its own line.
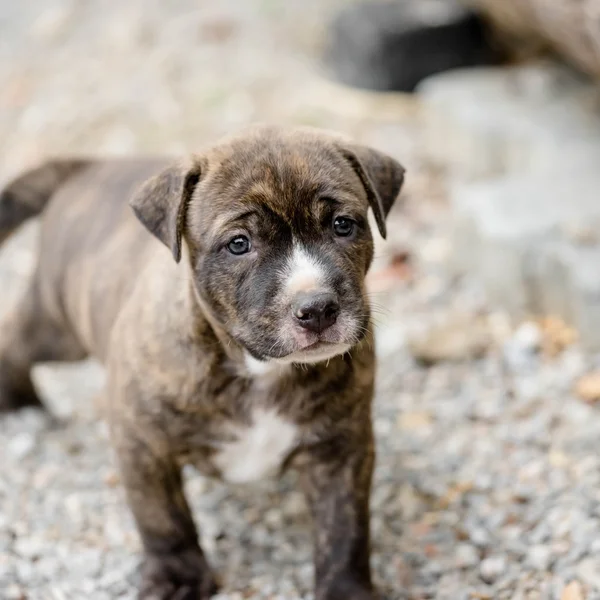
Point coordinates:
pixel 522 148
pixel 534 240
pixel 489 121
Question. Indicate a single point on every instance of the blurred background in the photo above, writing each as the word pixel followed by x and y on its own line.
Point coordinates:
pixel 486 294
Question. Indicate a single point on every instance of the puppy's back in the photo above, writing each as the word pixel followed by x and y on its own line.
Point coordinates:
pixel 92 248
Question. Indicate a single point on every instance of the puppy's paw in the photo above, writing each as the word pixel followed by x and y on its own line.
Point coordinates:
pixel 353 594
pixel 347 589
pixel 182 576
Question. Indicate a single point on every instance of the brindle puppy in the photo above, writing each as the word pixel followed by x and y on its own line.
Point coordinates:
pixel 246 349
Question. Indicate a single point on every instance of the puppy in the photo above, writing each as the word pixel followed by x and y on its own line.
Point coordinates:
pixel 240 344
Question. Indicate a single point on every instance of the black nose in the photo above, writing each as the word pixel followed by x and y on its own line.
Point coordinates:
pixel 316 311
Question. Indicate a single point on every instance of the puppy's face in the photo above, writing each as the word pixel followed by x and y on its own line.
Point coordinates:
pixel 275 222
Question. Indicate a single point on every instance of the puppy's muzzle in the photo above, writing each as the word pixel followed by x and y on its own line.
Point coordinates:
pixel 316 311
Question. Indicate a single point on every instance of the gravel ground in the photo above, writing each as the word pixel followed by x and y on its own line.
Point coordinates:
pixel 488 478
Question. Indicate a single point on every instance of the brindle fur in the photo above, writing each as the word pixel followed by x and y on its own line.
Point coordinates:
pixel 172 328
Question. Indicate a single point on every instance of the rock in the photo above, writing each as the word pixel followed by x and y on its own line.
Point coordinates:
pixel 492 568
pixel 411 421
pixel 588 387
pixel 487 122
pixel 557 336
pixel 48 567
pixel 393 45
pixel 459 337
pixel 273 518
pixel 30 548
pixel 409 502
pixel 35 420
pixel 480 537
pixel 572 591
pixel 529 231
pixel 112 478
pixel 508 232
pixel 86 563
pixel 522 347
pixel 119 141
pixel 294 505
pixel 528 336
pixel 539 557
pixel 466 556
pixel 21 446
pixel 15 592
pixel 589 572
pixel 53 22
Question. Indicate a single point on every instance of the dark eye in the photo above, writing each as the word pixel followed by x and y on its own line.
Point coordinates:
pixel 239 245
pixel 343 226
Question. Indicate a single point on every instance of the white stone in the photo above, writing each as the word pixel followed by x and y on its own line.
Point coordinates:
pixel 528 336
pixel 492 568
pixel 21 446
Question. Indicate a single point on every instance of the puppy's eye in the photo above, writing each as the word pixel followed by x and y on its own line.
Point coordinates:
pixel 239 245
pixel 343 226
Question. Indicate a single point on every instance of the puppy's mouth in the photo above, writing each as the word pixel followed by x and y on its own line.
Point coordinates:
pixel 318 345
pixel 316 352
pixel 294 345
pixel 308 347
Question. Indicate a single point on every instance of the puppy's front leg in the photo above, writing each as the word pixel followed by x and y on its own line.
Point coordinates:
pixel 174 566
pixel 338 484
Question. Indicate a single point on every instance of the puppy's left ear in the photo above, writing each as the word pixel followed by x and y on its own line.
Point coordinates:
pixel 382 177
pixel 161 204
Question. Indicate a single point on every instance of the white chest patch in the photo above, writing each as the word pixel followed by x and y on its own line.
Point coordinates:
pixel 269 370
pixel 259 449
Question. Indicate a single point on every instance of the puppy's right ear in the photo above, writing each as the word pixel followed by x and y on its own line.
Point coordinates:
pixel 161 204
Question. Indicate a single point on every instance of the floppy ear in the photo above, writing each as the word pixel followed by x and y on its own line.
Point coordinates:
pixel 161 204
pixel 382 177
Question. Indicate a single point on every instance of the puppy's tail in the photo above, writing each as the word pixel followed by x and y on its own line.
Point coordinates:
pixel 27 195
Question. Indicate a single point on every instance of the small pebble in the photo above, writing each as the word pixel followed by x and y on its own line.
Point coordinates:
pixel 30 548
pixel 15 592
pixel 492 568
pixel 588 387
pixel 528 336
pixel 572 591
pixel 480 537
pixel 539 557
pixel 21 446
pixel 589 572
pixel 294 505
pixel 459 337
pixel 466 556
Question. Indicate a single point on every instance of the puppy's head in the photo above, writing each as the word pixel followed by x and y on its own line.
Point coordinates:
pixel 275 224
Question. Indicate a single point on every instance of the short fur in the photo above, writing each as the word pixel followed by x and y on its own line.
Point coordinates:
pixel 197 342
